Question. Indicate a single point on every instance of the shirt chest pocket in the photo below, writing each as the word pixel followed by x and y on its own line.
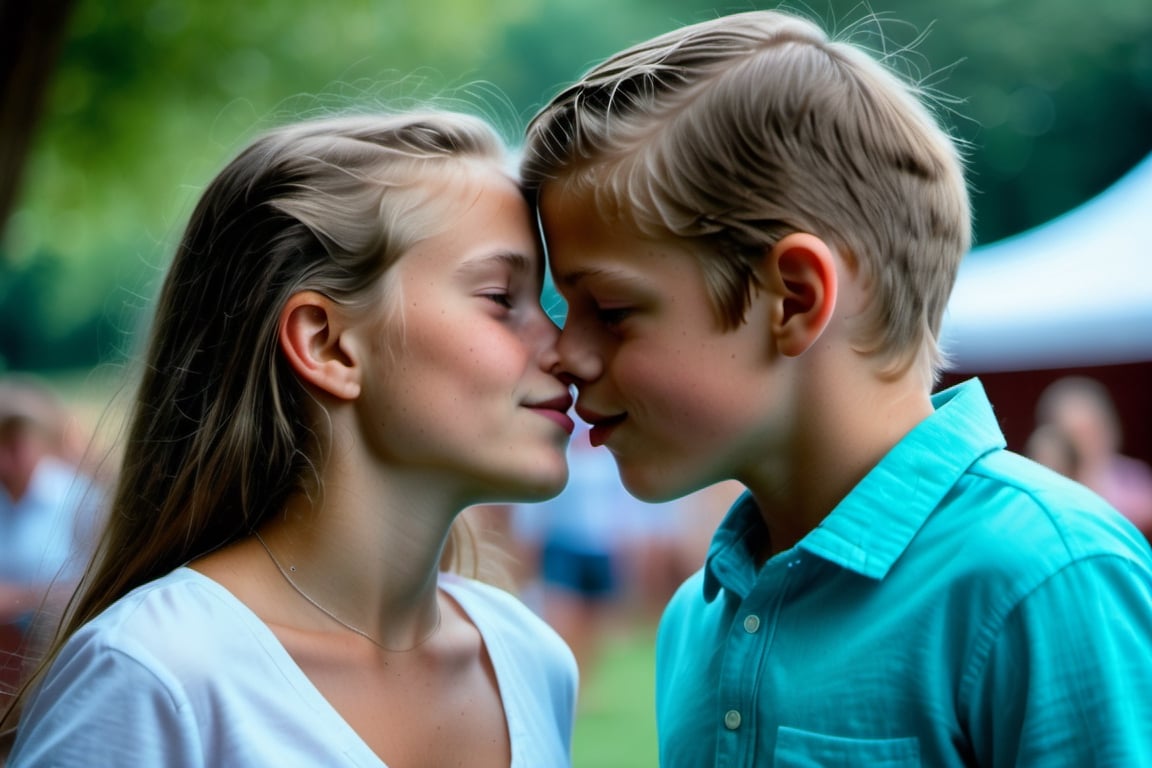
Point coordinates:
pixel 804 749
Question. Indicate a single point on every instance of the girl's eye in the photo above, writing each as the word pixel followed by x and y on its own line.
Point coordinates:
pixel 502 298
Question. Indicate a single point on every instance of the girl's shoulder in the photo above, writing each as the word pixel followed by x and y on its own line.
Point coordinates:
pixel 174 621
pixel 503 618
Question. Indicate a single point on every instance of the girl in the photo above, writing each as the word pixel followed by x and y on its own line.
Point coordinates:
pixel 348 350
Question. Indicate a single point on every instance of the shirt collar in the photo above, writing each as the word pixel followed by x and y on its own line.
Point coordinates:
pixel 872 526
pixel 729 563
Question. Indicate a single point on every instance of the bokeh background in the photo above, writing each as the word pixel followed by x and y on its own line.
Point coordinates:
pixel 113 116
pixel 143 99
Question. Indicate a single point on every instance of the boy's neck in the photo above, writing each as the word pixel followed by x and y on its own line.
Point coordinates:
pixel 842 435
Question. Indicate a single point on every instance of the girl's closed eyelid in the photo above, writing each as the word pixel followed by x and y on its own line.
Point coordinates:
pixel 500 297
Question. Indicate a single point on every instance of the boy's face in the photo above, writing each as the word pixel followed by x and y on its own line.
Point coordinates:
pixel 680 402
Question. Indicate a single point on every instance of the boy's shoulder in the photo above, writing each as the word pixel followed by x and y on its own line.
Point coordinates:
pixel 1012 525
pixel 1026 497
pixel 1002 511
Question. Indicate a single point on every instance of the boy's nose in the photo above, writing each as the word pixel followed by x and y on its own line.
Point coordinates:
pixel 578 362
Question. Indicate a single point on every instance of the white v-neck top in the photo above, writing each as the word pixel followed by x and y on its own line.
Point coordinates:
pixel 180 673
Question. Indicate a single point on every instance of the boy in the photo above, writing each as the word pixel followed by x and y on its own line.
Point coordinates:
pixel 757 230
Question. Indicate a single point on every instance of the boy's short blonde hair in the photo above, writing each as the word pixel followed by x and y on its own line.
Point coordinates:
pixel 740 130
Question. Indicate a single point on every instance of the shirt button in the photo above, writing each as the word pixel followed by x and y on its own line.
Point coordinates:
pixel 751 623
pixel 731 719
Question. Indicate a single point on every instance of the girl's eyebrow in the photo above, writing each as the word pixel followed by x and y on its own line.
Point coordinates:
pixel 518 262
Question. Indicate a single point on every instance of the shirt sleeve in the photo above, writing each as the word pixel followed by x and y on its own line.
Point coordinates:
pixel 101 706
pixel 1066 680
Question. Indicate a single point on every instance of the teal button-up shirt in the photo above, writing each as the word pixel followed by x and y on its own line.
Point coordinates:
pixel 962 606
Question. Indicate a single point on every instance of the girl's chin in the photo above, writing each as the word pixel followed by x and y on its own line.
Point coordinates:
pixel 542 487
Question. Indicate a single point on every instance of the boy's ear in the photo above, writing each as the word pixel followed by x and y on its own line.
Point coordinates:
pixel 311 337
pixel 802 274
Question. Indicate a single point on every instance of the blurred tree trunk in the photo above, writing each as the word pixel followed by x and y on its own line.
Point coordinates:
pixel 31 33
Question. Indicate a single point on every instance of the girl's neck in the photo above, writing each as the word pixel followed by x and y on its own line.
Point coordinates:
pixel 368 553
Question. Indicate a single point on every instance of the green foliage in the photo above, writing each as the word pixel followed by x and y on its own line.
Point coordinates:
pixel 151 97
pixel 35 338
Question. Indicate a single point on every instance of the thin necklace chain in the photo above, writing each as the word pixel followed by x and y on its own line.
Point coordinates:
pixel 334 617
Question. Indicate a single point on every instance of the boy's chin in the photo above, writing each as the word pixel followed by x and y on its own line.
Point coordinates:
pixel 654 487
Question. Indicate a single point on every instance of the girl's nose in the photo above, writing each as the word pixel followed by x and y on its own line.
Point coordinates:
pixel 548 337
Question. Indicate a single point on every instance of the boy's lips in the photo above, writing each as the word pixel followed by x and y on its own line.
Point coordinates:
pixel 602 426
pixel 556 410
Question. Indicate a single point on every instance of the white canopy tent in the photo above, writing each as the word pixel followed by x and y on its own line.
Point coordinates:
pixel 1076 291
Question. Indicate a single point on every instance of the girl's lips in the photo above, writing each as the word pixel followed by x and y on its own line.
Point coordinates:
pixel 559 417
pixel 602 430
pixel 556 409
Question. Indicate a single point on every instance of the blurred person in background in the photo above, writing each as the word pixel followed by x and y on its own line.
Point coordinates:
pixel 1051 446
pixel 1083 411
pixel 48 514
pixel 572 550
pixel 596 559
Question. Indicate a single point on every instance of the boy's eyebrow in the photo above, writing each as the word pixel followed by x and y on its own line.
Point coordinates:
pixel 572 278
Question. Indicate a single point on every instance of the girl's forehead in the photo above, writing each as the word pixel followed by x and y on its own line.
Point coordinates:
pixel 484 224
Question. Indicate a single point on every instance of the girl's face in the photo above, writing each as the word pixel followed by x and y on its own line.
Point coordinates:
pixel 460 388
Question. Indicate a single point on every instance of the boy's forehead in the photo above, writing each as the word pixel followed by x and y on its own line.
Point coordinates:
pixel 580 200
pixel 557 201
pixel 584 246
pixel 577 233
pixel 578 220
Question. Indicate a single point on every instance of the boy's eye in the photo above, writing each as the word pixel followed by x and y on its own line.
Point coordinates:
pixel 613 315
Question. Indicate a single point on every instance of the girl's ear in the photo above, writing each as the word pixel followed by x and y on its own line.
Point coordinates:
pixel 310 334
pixel 802 273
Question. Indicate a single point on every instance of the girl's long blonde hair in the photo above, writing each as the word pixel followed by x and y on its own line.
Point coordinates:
pixel 220 434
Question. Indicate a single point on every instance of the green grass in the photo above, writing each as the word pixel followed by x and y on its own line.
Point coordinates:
pixel 616 723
